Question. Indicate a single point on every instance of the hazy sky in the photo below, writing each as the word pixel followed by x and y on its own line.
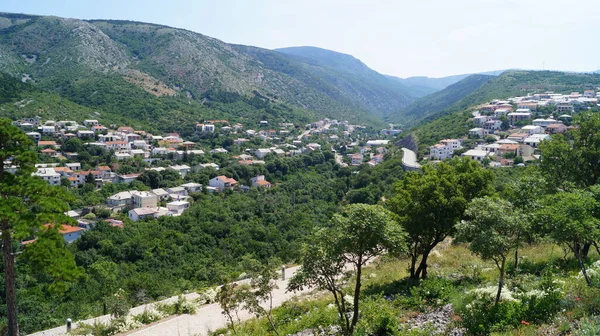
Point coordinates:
pixel 397 37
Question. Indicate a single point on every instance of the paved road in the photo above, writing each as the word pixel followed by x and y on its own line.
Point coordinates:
pixel 409 160
pixel 207 318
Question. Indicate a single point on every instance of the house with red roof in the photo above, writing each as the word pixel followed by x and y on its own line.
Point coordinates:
pixel 68 232
pixel 222 182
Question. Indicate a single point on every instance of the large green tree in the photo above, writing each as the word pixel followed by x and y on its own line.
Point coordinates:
pixel 574 160
pixel 569 219
pixel 26 202
pixel 359 233
pixel 493 228
pixel 429 204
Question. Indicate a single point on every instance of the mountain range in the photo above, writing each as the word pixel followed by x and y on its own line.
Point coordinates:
pixel 78 59
pixel 168 78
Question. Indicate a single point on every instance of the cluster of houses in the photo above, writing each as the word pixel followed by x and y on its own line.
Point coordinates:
pixel 521 141
pixel 146 204
pixel 127 143
pixel 373 153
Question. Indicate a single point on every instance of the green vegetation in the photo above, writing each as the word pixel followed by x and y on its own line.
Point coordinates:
pixel 27 203
pixel 428 108
pixel 451 121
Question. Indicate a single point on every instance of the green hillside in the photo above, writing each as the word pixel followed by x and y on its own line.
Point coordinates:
pixel 452 121
pixel 149 65
pixel 432 104
pixel 352 80
pixel 95 100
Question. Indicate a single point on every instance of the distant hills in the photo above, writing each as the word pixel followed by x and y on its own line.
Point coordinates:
pixel 451 121
pixel 431 105
pixel 100 63
pixel 168 78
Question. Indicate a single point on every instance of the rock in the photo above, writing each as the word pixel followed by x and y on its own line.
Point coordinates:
pixel 437 321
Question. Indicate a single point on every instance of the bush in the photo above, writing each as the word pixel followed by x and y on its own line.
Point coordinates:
pixel 588 326
pixel 538 305
pixel 432 292
pixel 378 317
pixel 149 316
pixel 482 317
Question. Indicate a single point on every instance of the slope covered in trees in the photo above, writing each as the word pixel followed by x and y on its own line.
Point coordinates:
pixel 430 106
pixel 150 63
pixel 453 121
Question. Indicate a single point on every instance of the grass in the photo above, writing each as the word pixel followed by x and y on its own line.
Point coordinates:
pixel 389 300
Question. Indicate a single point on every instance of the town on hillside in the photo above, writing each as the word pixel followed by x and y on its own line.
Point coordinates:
pixel 508 132
pixel 87 154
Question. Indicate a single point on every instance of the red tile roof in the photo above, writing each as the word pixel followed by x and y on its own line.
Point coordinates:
pixel 65 229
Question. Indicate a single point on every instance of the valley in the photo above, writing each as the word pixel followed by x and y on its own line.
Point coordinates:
pixel 156 180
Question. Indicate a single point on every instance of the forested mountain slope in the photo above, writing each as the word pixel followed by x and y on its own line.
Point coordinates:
pixel 430 105
pixel 97 63
pixel 452 121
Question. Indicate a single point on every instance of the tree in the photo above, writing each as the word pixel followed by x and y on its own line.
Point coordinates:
pixel 576 164
pixel 151 178
pixel 493 228
pixel 505 123
pixel 559 162
pixel 525 193
pixel 430 204
pixel 105 274
pixel 51 262
pixel 262 283
pixel 231 298
pixel 570 221
pixel 358 234
pixel 73 145
pixel 26 202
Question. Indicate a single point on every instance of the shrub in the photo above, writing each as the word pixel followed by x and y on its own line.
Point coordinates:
pixel 149 316
pixel 482 317
pixel 540 305
pixel 432 292
pixel 378 317
pixel 588 326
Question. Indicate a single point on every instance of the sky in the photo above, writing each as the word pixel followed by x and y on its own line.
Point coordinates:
pixel 403 38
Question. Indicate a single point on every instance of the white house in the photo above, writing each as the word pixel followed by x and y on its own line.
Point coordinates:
pixel 181 169
pixel 259 181
pixel 192 187
pixel 176 208
pixel 545 122
pixel 222 182
pixel 85 134
pixel 532 129
pixel 122 199
pixel 161 194
pixel 143 213
pixel 477 132
pixel 144 199
pixel 445 149
pixel 48 175
pixel 262 152
pixel 180 191
pixel 91 122
pixel 376 143
pixel 492 125
pixel 480 120
pixel 356 159
pixel 69 233
pixel 535 139
pixel 478 155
